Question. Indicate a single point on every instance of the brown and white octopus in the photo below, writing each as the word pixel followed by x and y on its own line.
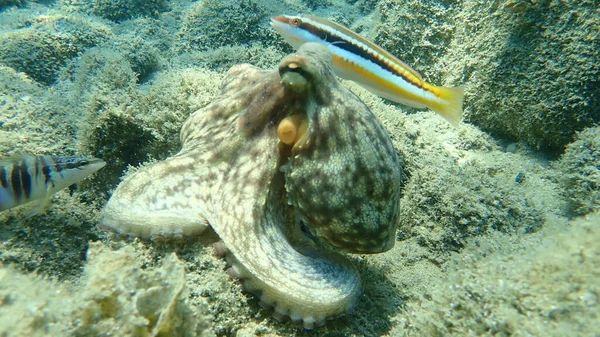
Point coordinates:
pixel 277 153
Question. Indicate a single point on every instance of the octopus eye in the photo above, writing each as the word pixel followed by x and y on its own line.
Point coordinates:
pixel 295 21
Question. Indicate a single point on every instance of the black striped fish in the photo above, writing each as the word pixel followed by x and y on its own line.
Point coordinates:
pixel 360 60
pixel 36 178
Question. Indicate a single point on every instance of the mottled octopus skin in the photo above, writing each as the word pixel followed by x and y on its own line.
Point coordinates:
pixel 342 179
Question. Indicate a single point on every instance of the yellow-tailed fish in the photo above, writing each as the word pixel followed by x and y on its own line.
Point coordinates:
pixel 29 178
pixel 360 60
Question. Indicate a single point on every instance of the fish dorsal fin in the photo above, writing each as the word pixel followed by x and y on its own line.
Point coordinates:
pixel 10 160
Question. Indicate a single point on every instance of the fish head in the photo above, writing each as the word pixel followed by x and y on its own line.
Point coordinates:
pixel 293 29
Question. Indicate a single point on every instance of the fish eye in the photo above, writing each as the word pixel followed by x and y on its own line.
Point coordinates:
pixel 295 21
pixel 83 163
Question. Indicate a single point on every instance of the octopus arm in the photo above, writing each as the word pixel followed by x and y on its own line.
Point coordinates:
pixel 154 203
pixel 308 286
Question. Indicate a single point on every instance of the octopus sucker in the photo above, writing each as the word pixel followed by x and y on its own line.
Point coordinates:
pixel 258 186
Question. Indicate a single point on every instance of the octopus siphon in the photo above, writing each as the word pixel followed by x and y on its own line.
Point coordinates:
pixel 291 170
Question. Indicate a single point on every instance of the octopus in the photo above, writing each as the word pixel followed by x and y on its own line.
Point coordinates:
pixel 291 170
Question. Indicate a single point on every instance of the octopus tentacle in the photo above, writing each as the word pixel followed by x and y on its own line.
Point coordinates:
pixel 306 287
pixel 153 203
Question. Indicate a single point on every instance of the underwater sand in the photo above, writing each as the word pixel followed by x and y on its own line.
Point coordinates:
pixel 491 241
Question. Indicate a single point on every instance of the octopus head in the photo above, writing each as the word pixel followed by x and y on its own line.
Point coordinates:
pixel 343 176
pixel 308 72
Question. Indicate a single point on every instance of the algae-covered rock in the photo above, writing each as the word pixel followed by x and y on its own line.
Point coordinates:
pixel 43 48
pixel 142 54
pixel 120 10
pixel 540 285
pixel 102 91
pixel 114 297
pixel 581 172
pixel 211 24
pixel 32 118
pixel 123 124
pixel 223 58
pixel 171 99
pixel 531 68
pixel 127 9
pixel 21 99
pixel 6 3
pixel 119 296
pixel 53 242
pixel 418 32
pixel 30 306
pixel 462 186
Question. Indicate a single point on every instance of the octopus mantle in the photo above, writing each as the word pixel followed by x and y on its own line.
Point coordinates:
pixel 279 152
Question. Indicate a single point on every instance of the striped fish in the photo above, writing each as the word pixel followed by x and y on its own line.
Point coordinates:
pixel 36 178
pixel 360 60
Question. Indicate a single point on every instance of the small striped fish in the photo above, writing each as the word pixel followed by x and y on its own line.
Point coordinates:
pixel 360 60
pixel 36 178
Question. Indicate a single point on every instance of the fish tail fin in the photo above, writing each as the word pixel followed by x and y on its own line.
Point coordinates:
pixel 450 106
